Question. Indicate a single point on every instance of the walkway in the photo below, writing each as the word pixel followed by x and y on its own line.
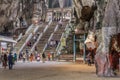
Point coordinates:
pixel 51 71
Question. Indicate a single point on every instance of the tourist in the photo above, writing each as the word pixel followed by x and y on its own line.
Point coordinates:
pixel 43 57
pixel 31 57
pixel 5 60
pixel 15 57
pixel 38 57
pixel 10 60
pixel 24 57
pixel 49 56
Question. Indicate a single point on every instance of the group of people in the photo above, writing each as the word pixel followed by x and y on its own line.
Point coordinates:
pixel 25 56
pixel 34 39
pixel 32 57
pixel 56 19
pixel 53 43
pixel 8 59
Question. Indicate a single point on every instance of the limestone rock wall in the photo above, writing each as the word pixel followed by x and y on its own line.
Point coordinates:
pixel 110 23
pixel 8 11
pixel 12 10
pixel 107 19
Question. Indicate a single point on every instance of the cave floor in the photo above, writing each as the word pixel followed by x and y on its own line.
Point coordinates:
pixel 51 70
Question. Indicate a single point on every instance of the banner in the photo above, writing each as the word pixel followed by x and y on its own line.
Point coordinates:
pixel 3 45
pixel 63 42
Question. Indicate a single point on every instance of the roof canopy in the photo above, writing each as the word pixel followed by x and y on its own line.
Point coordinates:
pixel 7 39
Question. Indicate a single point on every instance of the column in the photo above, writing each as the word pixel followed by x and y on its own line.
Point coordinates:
pixel 74 49
pixel 84 55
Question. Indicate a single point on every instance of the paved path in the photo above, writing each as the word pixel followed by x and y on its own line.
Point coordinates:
pixel 51 71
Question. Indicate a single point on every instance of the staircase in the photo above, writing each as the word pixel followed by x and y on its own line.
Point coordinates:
pixel 56 37
pixel 25 38
pixel 45 37
pixel 34 43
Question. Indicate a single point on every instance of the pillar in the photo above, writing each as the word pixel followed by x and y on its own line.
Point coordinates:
pixel 74 49
pixel 84 55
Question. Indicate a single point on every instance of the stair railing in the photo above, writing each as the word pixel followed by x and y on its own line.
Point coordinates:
pixel 36 29
pixel 32 49
pixel 30 35
pixel 28 38
pixel 50 38
pixel 29 29
pixel 57 26
pixel 59 44
pixel 19 37
pixel 47 42
pixel 47 26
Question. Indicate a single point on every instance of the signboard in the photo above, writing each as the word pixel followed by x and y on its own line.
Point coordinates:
pixel 63 42
pixel 4 45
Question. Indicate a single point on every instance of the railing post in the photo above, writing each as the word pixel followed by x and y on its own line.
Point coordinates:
pixel 84 55
pixel 74 49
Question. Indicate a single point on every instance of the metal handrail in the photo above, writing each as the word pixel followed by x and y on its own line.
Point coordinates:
pixel 47 26
pixel 29 37
pixel 47 41
pixel 32 49
pixel 57 49
pixel 50 37
pixel 25 42
pixel 35 30
pixel 56 28
pixel 19 37
pixel 29 29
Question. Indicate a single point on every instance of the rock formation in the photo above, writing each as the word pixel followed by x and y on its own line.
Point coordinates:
pixel 107 22
pixel 8 11
pixel 12 10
